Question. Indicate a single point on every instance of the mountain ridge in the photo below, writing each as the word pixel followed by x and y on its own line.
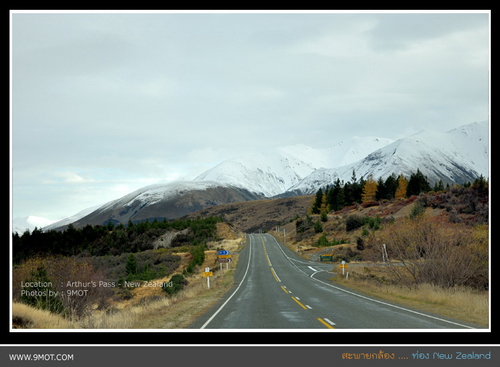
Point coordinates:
pixel 456 156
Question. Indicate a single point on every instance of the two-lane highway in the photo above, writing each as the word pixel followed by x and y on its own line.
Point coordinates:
pixel 276 289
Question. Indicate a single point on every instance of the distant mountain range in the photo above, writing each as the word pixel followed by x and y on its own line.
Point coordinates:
pixel 20 225
pixel 457 156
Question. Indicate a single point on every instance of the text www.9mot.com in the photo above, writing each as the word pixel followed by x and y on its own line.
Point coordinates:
pixel 41 357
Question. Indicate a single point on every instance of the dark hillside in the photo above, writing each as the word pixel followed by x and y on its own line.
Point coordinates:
pixel 252 216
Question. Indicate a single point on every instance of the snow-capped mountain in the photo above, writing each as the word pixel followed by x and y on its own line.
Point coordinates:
pixel 457 156
pixel 273 172
pixel 20 225
pixel 252 177
pixel 166 200
pixel 71 219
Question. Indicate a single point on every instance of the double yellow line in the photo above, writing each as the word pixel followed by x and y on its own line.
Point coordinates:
pixel 286 290
pixel 301 305
pixel 269 262
pixel 325 323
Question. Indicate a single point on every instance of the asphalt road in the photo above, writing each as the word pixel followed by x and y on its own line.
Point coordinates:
pixel 276 289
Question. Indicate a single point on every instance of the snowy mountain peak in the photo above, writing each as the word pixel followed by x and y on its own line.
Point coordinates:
pixel 274 171
pixel 457 156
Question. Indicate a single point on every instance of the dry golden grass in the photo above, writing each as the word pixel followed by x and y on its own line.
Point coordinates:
pixel 26 317
pixel 149 308
pixel 461 303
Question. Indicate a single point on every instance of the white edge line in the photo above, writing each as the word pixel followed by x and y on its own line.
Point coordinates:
pixel 375 300
pixel 236 290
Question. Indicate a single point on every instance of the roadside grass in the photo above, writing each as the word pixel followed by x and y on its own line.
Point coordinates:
pixel 461 303
pixel 150 308
pixel 27 317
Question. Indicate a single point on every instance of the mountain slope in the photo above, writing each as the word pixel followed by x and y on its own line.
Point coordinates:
pixel 272 172
pixel 169 200
pixel 457 156
pixel 20 225
pixel 71 219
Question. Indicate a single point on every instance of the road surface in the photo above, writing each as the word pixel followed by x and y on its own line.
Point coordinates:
pixel 276 289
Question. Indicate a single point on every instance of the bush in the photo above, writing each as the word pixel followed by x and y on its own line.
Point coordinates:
pixel 418 209
pixel 373 223
pixel 323 241
pixel 198 256
pixel 360 244
pixel 428 251
pixel 176 284
pixel 43 295
pixel 353 222
pixel 318 228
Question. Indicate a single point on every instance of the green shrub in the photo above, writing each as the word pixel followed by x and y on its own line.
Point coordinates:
pixel 353 222
pixel 318 228
pixel 176 284
pixel 42 295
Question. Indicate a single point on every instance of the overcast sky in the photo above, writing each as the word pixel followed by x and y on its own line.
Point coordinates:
pixel 105 103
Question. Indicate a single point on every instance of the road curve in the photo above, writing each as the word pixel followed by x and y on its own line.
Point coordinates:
pixel 276 289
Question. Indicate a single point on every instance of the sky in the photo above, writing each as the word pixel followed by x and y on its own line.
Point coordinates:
pixel 104 103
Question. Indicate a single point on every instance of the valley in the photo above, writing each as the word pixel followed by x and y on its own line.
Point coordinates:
pixel 401 215
pixel 455 157
pixel 446 213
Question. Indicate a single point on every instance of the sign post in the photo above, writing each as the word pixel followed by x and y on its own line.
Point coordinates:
pixel 224 256
pixel 207 274
pixel 343 266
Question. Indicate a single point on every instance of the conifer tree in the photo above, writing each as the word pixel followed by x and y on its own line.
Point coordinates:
pixel 324 207
pixel 335 196
pixel 316 206
pixel 369 190
pixel 381 190
pixel 401 189
pixel 418 183
pixel 131 266
pixel 438 186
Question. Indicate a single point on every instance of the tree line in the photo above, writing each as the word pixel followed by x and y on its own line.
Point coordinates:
pixel 101 240
pixel 335 197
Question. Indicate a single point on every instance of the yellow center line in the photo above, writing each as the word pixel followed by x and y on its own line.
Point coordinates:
pixel 275 275
pixel 284 288
pixel 326 324
pixel 301 305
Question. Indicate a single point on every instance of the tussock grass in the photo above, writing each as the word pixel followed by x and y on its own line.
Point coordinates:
pixel 151 308
pixel 462 303
pixel 27 317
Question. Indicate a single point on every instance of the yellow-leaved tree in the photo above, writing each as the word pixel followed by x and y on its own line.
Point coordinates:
pixel 369 190
pixel 401 190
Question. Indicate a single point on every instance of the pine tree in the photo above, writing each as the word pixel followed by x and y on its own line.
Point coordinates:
pixel 418 183
pixel 316 207
pixel 131 266
pixel 335 196
pixel 438 186
pixel 381 193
